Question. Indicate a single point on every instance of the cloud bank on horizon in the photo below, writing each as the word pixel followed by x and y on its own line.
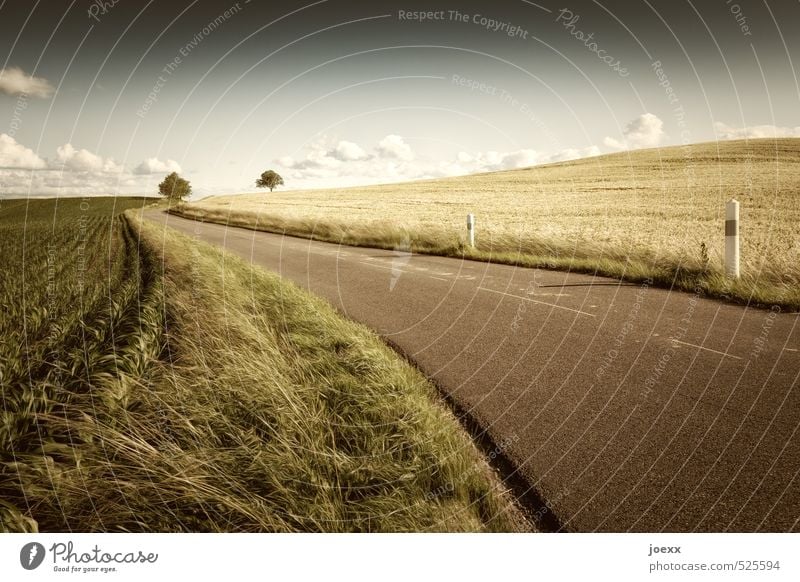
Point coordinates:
pixel 73 172
pixel 325 163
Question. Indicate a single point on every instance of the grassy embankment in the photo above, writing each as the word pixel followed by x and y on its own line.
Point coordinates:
pixel 635 215
pixel 152 383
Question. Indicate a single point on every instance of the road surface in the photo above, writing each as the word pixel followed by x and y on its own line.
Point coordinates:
pixel 624 407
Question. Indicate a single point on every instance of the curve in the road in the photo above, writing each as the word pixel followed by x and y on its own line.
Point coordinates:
pixel 621 407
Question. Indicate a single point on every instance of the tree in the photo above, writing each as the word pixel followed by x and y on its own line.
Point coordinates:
pixel 174 187
pixel 269 179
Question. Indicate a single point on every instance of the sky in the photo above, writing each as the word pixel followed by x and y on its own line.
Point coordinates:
pixel 106 98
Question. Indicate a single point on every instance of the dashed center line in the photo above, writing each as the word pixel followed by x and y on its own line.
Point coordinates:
pixel 536 301
pixel 398 269
pixel 707 349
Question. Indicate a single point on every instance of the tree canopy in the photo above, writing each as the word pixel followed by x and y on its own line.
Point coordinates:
pixel 174 187
pixel 269 179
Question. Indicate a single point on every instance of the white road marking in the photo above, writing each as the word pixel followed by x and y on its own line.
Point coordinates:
pixel 704 348
pixel 384 267
pixel 535 301
pixel 401 270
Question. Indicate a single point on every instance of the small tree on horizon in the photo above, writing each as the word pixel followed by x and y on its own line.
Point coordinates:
pixel 174 187
pixel 269 179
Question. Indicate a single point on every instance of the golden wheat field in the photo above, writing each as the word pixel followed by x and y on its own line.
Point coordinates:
pixel 659 206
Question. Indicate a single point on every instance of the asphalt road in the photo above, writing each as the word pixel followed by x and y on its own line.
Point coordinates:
pixel 625 407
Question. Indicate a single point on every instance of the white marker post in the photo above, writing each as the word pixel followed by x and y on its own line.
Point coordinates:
pixel 471 229
pixel 732 239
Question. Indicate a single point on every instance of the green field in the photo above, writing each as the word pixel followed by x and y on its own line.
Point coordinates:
pixel 153 383
pixel 647 214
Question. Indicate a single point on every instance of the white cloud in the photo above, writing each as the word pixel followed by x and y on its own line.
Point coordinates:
pixel 394 146
pixel 320 169
pixel 63 182
pixel 330 161
pixel 15 81
pixel 519 159
pixel 55 183
pixel 645 131
pixel 464 158
pixel 83 160
pixel 15 155
pixel 347 151
pixel 320 157
pixel 156 166
pixel 73 172
pixel 571 154
pixel 492 161
pixel 754 131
